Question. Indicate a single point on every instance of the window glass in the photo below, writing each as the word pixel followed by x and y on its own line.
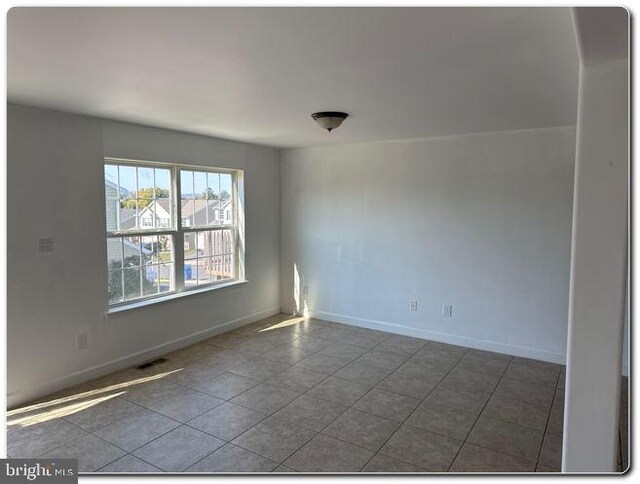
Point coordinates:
pixel 139 199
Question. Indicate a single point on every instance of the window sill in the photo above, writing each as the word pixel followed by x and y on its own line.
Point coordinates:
pixel 171 297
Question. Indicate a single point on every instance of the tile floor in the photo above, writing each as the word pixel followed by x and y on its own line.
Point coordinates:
pixel 284 395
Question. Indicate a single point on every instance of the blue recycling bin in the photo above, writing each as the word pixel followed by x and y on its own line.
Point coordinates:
pixel 151 274
pixel 187 273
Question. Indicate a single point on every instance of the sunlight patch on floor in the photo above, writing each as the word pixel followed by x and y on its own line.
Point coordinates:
pixel 60 407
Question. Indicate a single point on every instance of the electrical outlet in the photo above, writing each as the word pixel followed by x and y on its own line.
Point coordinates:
pixel 447 310
pixel 305 291
pixel 82 341
pixel 413 305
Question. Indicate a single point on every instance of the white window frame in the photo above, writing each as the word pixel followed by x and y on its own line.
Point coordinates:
pixel 178 231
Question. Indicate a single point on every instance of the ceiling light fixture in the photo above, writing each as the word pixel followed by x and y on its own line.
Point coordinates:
pixel 329 119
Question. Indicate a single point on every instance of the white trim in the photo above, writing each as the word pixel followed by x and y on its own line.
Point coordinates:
pixel 36 391
pixel 177 231
pixel 486 345
pixel 143 302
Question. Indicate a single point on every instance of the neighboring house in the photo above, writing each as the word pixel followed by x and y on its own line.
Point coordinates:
pixel 195 213
pixel 124 218
pixel 129 249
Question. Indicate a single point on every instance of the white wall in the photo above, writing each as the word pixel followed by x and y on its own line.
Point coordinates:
pixel 55 184
pixel 482 222
pixel 599 264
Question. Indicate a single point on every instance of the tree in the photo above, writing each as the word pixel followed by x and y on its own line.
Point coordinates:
pixel 210 194
pixel 131 280
pixel 145 197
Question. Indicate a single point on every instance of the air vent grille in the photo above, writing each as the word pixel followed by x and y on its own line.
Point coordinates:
pixel 151 363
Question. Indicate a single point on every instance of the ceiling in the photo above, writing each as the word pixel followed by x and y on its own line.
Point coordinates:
pixel 256 74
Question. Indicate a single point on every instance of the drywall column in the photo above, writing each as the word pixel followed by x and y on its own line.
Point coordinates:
pixel 599 243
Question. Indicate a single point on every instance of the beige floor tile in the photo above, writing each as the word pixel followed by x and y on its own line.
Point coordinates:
pixel 415 386
pixel 344 350
pixel 325 454
pixel 478 459
pixel 387 361
pixel 386 464
pixel 274 439
pixel 27 442
pixel 151 391
pixel 417 370
pixel 92 453
pixel 551 453
pixel 442 420
pixel 186 405
pixel 361 429
pixel 137 430
pixel 517 412
pixel 401 345
pixel 540 375
pixel 470 381
pixel 322 363
pixel 483 364
pixel 99 414
pixel 468 402
pixel 178 449
pixel 226 385
pixel 387 405
pixel 233 459
pixel 227 421
pixel 310 413
pixel 226 359
pixel 282 469
pixel 365 340
pixel 257 346
pixel 311 343
pixel 265 398
pixel 120 378
pixel 340 391
pixel 296 379
pixel 526 391
pixel 434 360
pixel 546 468
pixel 421 448
pixel 129 464
pixel 361 372
pixel 308 396
pixel 259 369
pixel 445 349
pixel 503 437
pixel 288 354
pixel 193 374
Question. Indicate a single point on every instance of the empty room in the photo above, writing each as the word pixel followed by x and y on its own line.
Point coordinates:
pixel 363 240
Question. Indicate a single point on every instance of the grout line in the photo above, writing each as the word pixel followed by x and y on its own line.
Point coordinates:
pixel 419 404
pixel 480 413
pixel 546 426
pixel 289 342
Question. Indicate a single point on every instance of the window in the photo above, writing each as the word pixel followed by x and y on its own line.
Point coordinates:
pixel 165 230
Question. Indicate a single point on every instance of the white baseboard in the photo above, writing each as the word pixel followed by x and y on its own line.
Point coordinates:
pixel 36 391
pixel 485 345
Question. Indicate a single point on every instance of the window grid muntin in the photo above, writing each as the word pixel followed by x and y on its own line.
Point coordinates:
pixel 178 230
pixel 225 258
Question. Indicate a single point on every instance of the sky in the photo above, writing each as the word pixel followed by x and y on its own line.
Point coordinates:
pixel 192 182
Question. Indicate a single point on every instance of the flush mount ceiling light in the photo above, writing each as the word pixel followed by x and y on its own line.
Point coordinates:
pixel 329 119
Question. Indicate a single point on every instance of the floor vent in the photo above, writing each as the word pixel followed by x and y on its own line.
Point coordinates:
pixel 148 364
